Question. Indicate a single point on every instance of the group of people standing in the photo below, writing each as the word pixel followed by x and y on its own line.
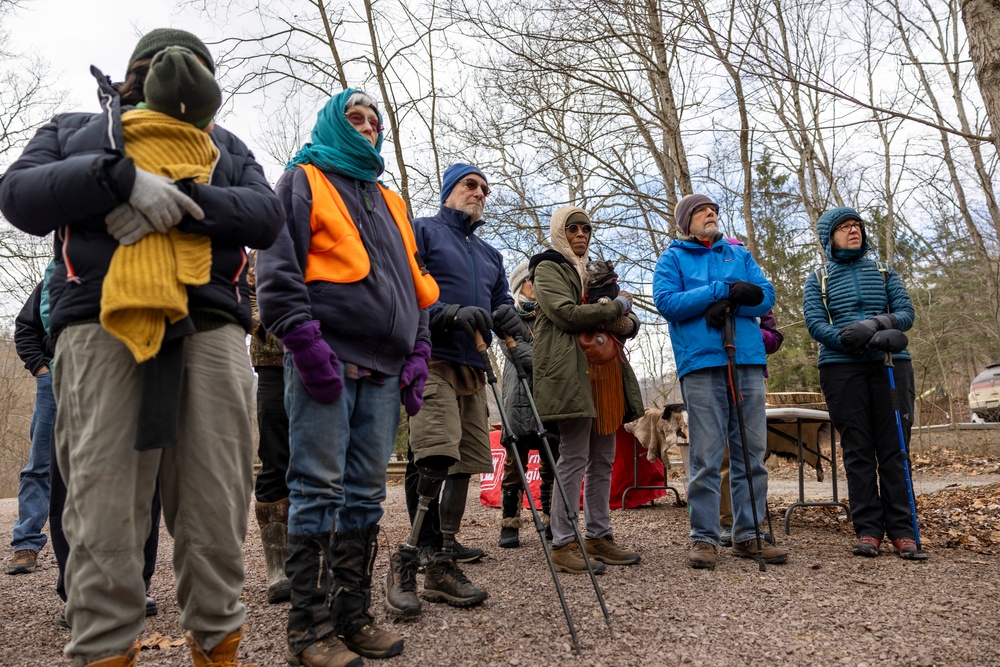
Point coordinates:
pixel 355 309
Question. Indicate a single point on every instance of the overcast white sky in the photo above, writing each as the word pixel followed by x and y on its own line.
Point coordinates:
pixel 72 35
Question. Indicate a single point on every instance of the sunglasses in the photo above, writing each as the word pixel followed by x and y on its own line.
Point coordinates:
pixel 471 184
pixel 358 118
pixel 574 228
pixel 848 226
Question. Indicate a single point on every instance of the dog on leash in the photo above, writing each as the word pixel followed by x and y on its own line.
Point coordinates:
pixel 660 429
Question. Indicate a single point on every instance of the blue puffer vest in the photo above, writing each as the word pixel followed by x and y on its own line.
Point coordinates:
pixel 856 290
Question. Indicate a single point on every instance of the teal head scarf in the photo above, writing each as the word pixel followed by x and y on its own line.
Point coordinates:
pixel 336 146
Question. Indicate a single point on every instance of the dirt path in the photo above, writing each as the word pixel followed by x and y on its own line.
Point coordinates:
pixel 822 608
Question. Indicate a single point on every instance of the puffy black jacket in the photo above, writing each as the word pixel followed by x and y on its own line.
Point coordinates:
pixel 70 176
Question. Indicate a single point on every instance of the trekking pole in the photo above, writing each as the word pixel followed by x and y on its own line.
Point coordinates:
pixel 571 508
pixel 510 442
pixel 728 335
pixel 896 405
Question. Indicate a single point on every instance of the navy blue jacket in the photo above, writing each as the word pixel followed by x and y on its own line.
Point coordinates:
pixel 66 181
pixel 469 272
pixel 34 346
pixel 856 290
pixel 373 322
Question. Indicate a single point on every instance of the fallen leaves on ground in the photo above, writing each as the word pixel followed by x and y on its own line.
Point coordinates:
pixel 956 517
pixel 158 642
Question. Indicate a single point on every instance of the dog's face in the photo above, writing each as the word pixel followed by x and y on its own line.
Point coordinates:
pixel 602 281
pixel 673 425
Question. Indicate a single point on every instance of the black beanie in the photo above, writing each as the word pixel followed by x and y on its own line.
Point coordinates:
pixel 180 86
pixel 155 41
pixel 686 206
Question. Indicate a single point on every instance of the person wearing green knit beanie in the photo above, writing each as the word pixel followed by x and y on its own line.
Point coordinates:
pixel 178 85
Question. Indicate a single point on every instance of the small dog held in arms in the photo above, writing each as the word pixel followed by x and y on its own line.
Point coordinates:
pixel 660 429
pixel 602 287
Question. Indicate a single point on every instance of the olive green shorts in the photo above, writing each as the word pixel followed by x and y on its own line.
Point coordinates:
pixel 452 425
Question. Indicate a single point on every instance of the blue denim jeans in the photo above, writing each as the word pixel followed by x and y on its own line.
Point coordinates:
pixel 338 453
pixel 33 492
pixel 712 419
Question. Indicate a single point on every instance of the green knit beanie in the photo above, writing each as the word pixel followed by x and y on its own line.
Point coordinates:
pixel 180 86
pixel 157 40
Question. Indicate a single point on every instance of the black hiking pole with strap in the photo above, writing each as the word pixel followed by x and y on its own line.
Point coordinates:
pixel 510 443
pixel 571 510
pixel 896 407
pixel 728 335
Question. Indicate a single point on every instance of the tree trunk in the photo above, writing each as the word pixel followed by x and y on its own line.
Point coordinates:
pixel 982 25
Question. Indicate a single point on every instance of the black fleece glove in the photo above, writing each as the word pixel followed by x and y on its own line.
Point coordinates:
pixel 743 293
pixel 471 319
pixel 855 336
pixel 715 314
pixel 890 340
pixel 506 321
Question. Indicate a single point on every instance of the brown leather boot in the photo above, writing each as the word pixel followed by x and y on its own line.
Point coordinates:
pixel 569 558
pixel 273 521
pixel 328 652
pixel 223 655
pixel 702 555
pixel 127 660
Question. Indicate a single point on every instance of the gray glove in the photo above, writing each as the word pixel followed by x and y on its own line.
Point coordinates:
pixel 127 225
pixel 161 202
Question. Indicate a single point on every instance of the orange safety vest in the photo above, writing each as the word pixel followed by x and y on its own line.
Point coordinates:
pixel 336 252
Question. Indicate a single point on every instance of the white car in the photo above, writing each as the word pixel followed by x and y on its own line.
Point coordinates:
pixel 984 395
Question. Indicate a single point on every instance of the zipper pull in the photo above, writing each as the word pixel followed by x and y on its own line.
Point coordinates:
pixel 368 202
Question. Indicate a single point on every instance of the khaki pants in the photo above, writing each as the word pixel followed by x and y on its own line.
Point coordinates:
pixel 205 485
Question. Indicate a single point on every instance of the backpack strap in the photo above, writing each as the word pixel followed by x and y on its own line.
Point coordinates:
pixel 821 276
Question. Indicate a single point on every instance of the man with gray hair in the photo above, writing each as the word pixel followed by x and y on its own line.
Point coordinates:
pixel 449 438
pixel 699 282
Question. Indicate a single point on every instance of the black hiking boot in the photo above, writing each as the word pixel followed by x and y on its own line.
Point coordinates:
pixel 511 523
pixel 445 582
pixel 401 583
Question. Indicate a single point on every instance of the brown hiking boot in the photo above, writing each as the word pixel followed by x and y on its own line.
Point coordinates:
pixel 401 584
pixel 328 652
pixel 772 555
pixel 127 660
pixel 23 562
pixel 223 655
pixel 444 582
pixel 372 641
pixel 569 558
pixel 702 555
pixel 605 550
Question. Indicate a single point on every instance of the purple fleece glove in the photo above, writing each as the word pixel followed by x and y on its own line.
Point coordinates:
pixel 413 377
pixel 317 364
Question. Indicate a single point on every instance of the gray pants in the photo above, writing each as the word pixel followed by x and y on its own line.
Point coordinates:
pixel 582 452
pixel 205 485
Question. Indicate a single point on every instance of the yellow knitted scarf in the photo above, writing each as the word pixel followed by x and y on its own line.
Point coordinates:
pixel 146 282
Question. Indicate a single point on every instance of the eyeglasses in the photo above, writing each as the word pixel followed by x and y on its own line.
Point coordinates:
pixel 471 184
pixel 575 228
pixel 849 225
pixel 357 118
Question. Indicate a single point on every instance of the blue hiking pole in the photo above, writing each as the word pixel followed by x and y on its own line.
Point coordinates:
pixel 896 406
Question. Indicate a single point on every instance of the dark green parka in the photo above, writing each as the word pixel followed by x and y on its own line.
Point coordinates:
pixel 561 383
